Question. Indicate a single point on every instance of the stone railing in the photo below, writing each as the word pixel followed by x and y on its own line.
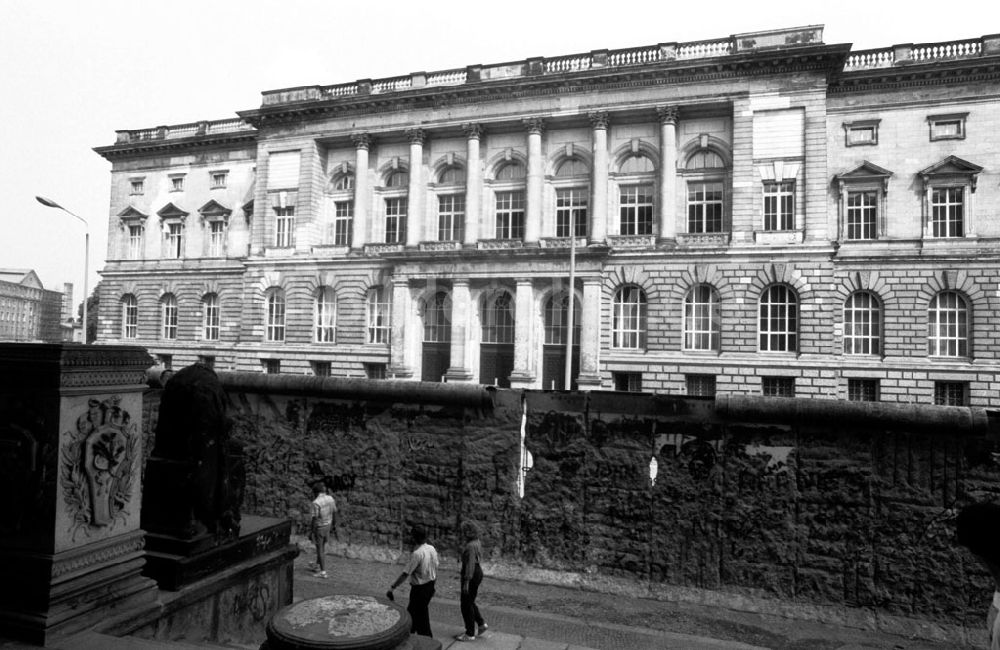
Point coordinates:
pixel 909 54
pixel 541 66
pixel 178 131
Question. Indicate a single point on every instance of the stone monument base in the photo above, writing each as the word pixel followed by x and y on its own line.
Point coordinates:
pixel 46 596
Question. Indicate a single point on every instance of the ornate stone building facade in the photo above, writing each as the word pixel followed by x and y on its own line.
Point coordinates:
pixel 763 213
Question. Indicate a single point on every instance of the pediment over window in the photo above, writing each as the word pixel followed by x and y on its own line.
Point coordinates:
pixel 866 172
pixel 214 211
pixel 248 210
pixel 951 167
pixel 131 214
pixel 171 211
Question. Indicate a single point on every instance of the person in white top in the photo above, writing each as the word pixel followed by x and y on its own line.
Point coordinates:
pixel 422 572
pixel 324 518
pixel 978 529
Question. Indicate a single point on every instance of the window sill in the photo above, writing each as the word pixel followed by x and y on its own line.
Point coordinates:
pixel 279 251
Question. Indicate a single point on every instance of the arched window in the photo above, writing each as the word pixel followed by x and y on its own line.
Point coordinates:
pixel 168 306
pixel 130 317
pixel 498 319
pixel 628 320
pixel 862 324
pixel 511 171
pixel 948 325
pixel 210 305
pixel 452 175
pixel 437 319
pixel 557 319
pixel 275 302
pixel 572 167
pixel 705 159
pixel 343 183
pixel 326 315
pixel 779 319
pixel 398 178
pixel 706 181
pixel 378 315
pixel 702 322
pixel 638 164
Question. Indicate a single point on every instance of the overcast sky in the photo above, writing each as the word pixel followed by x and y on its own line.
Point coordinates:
pixel 74 72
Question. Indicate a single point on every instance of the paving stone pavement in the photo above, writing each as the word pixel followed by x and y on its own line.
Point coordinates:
pixel 527 616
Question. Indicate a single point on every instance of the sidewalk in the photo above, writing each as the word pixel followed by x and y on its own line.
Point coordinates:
pixel 527 616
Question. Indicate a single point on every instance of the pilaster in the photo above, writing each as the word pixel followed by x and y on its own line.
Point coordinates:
pixel 473 184
pixel 523 375
pixel 590 335
pixel 404 329
pixel 415 199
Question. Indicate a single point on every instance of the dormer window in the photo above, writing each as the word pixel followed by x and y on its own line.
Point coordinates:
pixel 137 186
pixel 947 127
pixel 176 182
pixel 219 179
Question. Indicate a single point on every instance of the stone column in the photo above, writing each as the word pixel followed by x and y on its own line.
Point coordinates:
pixel 362 193
pixel 71 547
pixel 415 200
pixel 533 212
pixel 473 185
pixel 461 303
pixel 590 335
pixel 523 375
pixel 668 172
pixel 599 180
pixel 403 328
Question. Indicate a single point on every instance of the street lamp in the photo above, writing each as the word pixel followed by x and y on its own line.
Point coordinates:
pixel 49 203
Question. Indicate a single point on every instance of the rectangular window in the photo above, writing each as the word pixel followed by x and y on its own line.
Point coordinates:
pixel 451 217
pixel 166 360
pixel 951 393
pixel 130 317
pixel 628 382
pixel 861 133
pixel 212 319
pixel 947 127
pixel 779 205
pixel 135 240
pixel 704 207
pixel 177 183
pixel 777 386
pixel 217 239
pixel 863 390
pixel 571 208
pixel 137 186
pixel 321 368
pixel 284 227
pixel 947 212
pixel 271 366
pixel 862 214
pixel 395 220
pixel 175 240
pixel 219 180
pixel 510 215
pixel 375 370
pixel 635 204
pixel 343 221
pixel 700 385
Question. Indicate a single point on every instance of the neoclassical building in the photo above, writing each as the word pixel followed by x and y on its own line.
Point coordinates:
pixel 763 213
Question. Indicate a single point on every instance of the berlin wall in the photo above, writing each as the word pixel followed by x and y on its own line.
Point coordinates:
pixel 806 507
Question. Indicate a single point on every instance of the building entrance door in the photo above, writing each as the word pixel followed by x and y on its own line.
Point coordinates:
pixel 496 362
pixel 554 367
pixel 437 359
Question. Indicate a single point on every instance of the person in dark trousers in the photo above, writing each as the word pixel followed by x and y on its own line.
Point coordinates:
pixel 422 572
pixel 472 577
pixel 978 529
pixel 323 520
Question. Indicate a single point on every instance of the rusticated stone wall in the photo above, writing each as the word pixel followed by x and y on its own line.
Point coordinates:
pixel 806 502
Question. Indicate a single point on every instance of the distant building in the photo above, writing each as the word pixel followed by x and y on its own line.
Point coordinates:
pixel 763 213
pixel 28 311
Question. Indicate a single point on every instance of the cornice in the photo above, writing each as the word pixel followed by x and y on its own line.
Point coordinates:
pixel 146 147
pixel 824 59
pixel 937 73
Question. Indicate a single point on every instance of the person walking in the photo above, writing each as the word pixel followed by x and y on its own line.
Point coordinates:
pixel 421 569
pixel 978 529
pixel 324 518
pixel 472 577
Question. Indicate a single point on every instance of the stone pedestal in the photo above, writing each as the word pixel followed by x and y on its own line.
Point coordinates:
pixel 71 550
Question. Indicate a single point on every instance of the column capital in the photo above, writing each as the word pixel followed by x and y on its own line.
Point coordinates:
pixel 362 140
pixel 522 281
pixel 667 114
pixel 473 131
pixel 591 280
pixel 416 136
pixel 534 124
pixel 599 120
pixel 460 282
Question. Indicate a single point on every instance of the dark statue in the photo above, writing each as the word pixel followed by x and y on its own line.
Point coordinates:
pixel 194 482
